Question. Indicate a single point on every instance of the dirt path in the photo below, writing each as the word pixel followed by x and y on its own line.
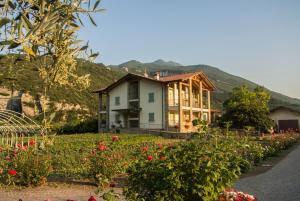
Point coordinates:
pixel 51 193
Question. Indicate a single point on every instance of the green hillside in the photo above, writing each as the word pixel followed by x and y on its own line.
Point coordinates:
pixel 27 79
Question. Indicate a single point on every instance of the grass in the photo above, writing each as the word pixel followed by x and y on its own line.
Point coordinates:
pixel 69 152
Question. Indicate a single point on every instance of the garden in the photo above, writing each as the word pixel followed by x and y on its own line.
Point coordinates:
pixel 146 167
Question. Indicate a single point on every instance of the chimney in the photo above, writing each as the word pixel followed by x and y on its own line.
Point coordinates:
pixel 157 75
pixel 145 73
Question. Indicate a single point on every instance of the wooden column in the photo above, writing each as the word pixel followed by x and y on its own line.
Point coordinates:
pixel 180 112
pixel 201 98
pixel 99 112
pixel 208 104
pixel 191 98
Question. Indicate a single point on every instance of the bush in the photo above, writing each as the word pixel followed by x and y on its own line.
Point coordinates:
pixel 187 172
pixel 86 126
pixel 24 166
pixel 106 162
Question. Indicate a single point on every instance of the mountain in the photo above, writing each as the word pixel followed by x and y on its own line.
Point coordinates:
pixel 73 104
pixel 161 62
pixel 224 82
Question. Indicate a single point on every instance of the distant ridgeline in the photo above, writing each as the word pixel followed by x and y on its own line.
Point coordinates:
pixel 224 82
pixel 24 91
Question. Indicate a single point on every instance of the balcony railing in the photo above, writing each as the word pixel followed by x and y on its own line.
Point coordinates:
pixel 186 103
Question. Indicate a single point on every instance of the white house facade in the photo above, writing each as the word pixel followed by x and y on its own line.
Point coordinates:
pixel 164 103
pixel 285 118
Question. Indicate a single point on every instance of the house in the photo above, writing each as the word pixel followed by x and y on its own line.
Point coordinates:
pixel 285 118
pixel 160 102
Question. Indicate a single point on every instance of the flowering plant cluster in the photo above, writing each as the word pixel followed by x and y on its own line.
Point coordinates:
pixel 232 195
pixel 107 161
pixel 183 171
pixel 24 165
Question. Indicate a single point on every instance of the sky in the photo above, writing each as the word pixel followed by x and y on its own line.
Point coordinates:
pixel 256 39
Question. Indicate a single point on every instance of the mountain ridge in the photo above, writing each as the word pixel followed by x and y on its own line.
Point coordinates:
pixel 224 81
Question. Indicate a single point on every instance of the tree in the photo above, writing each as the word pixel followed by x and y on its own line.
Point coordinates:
pixel 44 32
pixel 246 108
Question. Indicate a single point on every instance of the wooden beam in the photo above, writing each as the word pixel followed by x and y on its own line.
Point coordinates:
pixel 185 84
pixel 201 98
pixel 208 103
pixel 180 106
pixel 191 98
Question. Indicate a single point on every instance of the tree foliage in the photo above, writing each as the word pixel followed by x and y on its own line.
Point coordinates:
pixel 44 32
pixel 248 108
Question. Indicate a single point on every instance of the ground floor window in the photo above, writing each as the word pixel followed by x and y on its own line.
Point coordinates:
pixel 205 116
pixel 151 117
pixel 173 119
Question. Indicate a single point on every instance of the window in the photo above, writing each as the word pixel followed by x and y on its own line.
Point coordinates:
pixel 117 100
pixel 151 117
pixel 151 97
pixel 204 116
pixel 117 118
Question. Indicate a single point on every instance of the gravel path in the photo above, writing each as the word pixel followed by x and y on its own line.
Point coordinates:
pixel 281 183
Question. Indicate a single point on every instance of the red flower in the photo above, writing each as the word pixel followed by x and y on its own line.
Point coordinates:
pixel 12 172
pixel 149 158
pixel 92 198
pixel 144 149
pixel 115 138
pixel 112 185
pixel 101 147
pixel 32 142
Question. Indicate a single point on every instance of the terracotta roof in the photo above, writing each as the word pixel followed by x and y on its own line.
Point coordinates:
pixel 165 79
pixel 177 77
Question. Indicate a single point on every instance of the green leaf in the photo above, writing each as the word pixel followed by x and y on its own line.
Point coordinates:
pixel 4 21
pixel 93 22
pixel 94 55
pixel 27 22
pixel 84 48
pixel 11 5
pixel 96 4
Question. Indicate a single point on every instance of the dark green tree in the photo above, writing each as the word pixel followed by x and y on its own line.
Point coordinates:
pixel 248 108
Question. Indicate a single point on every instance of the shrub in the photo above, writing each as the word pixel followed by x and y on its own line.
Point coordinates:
pixel 189 171
pixel 106 162
pixel 24 166
pixel 86 126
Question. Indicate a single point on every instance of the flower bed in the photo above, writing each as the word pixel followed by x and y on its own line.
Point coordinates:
pixel 24 165
pixel 232 195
